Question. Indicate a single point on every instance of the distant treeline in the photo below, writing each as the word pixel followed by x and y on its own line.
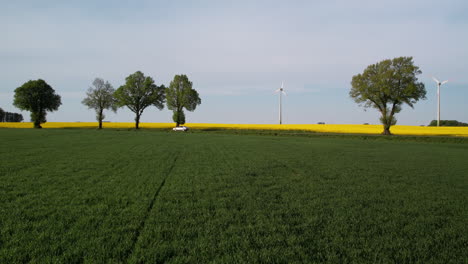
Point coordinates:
pixel 10 117
pixel 448 123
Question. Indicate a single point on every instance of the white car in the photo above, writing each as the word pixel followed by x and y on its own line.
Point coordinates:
pixel 180 128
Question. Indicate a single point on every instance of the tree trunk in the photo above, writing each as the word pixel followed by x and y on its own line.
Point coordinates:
pixel 100 119
pixel 37 120
pixel 37 124
pixel 386 130
pixel 386 121
pixel 137 121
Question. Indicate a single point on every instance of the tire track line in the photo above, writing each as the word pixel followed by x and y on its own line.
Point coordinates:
pixel 142 225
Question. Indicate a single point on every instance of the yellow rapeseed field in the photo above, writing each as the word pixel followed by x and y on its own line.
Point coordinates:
pixel 347 129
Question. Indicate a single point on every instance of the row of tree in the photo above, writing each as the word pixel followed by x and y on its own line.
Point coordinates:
pixel 385 86
pixel 138 93
pixel 10 117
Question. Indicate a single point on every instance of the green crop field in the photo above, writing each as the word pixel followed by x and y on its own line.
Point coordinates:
pixel 88 196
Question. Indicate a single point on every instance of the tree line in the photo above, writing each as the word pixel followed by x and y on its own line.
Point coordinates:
pixel 447 123
pixel 386 86
pixel 10 117
pixel 138 93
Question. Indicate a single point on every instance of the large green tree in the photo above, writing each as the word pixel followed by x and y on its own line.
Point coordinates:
pixel 38 97
pixel 99 98
pixel 139 92
pixel 386 86
pixel 179 95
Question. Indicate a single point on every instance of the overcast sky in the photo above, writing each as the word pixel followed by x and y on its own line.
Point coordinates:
pixel 236 53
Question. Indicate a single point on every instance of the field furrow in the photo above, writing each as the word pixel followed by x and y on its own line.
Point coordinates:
pixel 83 202
pixel 150 208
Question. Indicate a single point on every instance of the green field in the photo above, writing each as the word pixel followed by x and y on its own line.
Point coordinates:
pixel 88 196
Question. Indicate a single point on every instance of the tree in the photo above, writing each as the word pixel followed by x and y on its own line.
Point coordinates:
pixel 180 95
pixel 99 98
pixel 386 86
pixel 37 97
pixel 2 114
pixel 138 93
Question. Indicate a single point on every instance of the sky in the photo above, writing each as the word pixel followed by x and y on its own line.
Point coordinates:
pixel 236 53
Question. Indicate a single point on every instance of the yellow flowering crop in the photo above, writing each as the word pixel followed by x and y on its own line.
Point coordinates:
pixel 346 129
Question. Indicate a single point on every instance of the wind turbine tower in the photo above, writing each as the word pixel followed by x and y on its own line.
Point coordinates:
pixel 280 91
pixel 438 97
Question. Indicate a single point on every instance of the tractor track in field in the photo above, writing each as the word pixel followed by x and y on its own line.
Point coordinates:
pixel 129 253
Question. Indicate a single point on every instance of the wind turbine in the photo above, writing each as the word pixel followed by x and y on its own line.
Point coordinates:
pixel 280 91
pixel 438 97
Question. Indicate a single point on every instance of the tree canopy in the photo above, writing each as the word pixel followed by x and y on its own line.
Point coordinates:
pixel 38 97
pixel 99 98
pixel 180 95
pixel 386 86
pixel 139 92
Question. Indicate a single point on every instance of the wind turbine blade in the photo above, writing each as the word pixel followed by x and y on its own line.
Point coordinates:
pixel 277 90
pixel 444 82
pixel 282 84
pixel 284 93
pixel 435 80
